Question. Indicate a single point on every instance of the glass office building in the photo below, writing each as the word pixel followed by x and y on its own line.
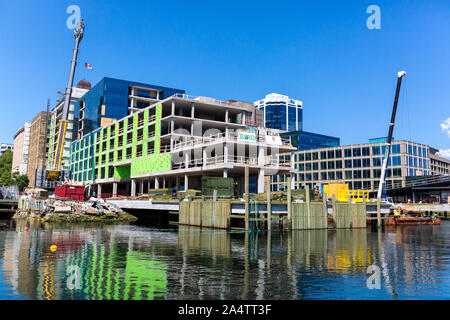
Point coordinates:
pixel 304 140
pixel 113 99
pixel 281 112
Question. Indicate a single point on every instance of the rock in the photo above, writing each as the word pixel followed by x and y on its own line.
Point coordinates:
pixel 60 209
pixel 91 211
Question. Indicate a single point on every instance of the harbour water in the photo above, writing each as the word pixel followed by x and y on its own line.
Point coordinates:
pixel 132 261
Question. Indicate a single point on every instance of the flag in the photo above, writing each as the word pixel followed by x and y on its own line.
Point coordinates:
pixel 87 65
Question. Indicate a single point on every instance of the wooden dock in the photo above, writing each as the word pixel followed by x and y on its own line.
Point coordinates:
pixel 8 206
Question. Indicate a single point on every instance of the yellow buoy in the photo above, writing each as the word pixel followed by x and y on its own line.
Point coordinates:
pixel 53 248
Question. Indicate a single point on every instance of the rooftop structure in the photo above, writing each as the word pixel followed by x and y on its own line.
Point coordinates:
pixel 281 112
pixel 21 147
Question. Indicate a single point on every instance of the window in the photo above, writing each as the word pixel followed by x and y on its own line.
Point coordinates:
pixel 366 174
pixel 396 149
pixel 301 167
pixel 348 163
pixel 377 173
pixel 315 166
pixel 396 161
pixel 308 167
pixel 150 147
pixel 307 156
pixel 357 174
pixel 139 150
pixel 356 152
pixel 339 175
pixel 128 153
pixel 323 176
pixel 111 144
pixel 315 156
pixel 365 151
pixel 339 164
pixel 376 162
pixel 119 155
pixel 348 153
pixel 396 172
pixel 356 163
pixel 348 174
pixel 308 176
pixel 301 157
pixel 330 154
pixel 111 157
pixel 323 155
pixel 376 151
pixel 323 165
pixel 316 176
pixel 330 164
pixel 366 185
pixel 366 162
pixel 338 154
pixel 331 175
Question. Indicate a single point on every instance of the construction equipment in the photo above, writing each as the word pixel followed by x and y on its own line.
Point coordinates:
pixel 55 170
pixel 391 131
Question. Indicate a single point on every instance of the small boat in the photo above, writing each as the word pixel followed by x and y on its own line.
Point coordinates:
pixel 412 221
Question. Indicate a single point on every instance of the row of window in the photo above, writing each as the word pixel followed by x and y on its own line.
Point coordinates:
pixel 353 185
pixel 339 164
pixel 345 153
pixel 122 139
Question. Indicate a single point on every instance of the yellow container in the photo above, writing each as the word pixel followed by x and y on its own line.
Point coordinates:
pixel 334 189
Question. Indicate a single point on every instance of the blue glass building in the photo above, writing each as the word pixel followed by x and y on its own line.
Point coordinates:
pixel 281 112
pixel 304 140
pixel 112 99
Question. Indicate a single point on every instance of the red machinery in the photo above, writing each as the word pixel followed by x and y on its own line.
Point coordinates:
pixel 70 192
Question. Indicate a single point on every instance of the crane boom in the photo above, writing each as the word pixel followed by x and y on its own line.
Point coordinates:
pixel 391 131
pixel 54 172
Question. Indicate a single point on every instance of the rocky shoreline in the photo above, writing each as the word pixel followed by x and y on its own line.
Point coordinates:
pixel 55 210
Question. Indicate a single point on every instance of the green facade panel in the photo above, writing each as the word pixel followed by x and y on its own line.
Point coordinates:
pixel 122 172
pixel 158 163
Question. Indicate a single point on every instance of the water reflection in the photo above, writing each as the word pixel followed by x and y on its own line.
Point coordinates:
pixel 133 262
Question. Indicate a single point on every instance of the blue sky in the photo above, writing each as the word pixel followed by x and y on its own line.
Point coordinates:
pixel 320 52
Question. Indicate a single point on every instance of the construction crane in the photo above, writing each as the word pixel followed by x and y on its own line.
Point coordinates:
pixel 400 75
pixel 55 169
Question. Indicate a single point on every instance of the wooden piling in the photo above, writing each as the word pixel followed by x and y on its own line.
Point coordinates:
pixel 246 176
pixel 308 206
pixel 269 207
pixel 378 213
pixel 325 211
pixel 289 203
pixel 213 224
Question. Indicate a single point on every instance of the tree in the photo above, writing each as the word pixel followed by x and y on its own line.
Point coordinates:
pixel 21 181
pixel 5 168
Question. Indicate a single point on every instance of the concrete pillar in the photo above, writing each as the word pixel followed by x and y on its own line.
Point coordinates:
pixel 225 173
pixel 187 158
pixel 141 186
pixel 204 156
pixel 173 108
pixel 225 152
pixel 133 187
pixel 177 179
pixel 149 185
pixel 156 183
pixel 186 182
pixel 99 190
pixel 261 153
pixel 114 193
pixel 192 111
pixel 260 180
pixel 226 115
